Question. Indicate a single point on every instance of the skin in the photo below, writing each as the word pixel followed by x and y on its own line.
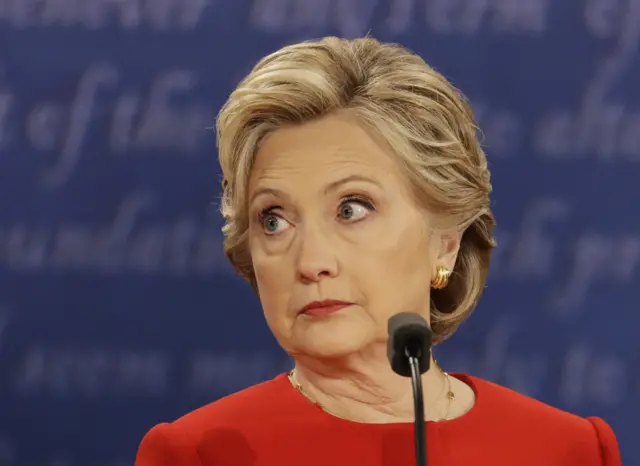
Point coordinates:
pixel 332 216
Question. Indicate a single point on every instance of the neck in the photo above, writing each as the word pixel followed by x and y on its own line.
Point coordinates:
pixel 369 391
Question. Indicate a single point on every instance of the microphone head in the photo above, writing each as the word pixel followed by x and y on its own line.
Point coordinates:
pixel 409 335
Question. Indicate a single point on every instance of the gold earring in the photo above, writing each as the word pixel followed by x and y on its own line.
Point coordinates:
pixel 441 280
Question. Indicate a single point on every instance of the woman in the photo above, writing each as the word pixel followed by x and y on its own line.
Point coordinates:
pixel 353 179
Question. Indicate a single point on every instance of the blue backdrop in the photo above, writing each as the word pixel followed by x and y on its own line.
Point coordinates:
pixel 117 307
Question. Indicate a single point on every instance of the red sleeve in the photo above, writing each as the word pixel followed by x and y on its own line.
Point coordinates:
pixel 162 447
pixel 609 450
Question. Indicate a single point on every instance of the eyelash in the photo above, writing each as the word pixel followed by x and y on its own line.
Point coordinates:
pixel 360 200
pixel 264 213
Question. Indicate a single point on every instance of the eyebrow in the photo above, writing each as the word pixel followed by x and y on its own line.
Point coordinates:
pixel 329 188
pixel 362 178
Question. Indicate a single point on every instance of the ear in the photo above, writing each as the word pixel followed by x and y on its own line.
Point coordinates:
pixel 447 248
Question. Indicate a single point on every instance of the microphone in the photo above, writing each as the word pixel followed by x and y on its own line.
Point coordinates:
pixel 409 353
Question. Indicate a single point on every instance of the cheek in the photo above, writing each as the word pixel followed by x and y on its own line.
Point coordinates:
pixel 397 247
pixel 397 268
pixel 273 280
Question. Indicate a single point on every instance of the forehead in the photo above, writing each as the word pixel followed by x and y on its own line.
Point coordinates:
pixel 321 150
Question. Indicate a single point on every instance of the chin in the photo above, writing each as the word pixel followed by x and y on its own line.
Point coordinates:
pixel 331 337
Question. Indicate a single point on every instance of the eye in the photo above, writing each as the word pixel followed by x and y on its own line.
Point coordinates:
pixel 271 222
pixel 353 209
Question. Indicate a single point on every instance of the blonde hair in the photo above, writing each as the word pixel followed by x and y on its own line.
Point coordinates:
pixel 425 121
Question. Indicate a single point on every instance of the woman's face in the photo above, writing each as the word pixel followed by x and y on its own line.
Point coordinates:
pixel 332 217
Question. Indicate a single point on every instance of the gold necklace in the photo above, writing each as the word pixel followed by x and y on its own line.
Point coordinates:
pixel 450 396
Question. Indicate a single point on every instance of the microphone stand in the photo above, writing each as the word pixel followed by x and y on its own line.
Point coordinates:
pixel 409 353
pixel 418 405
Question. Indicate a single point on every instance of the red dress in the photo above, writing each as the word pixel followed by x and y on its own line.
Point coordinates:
pixel 271 424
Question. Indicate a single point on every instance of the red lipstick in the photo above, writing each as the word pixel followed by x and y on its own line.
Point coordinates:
pixel 323 308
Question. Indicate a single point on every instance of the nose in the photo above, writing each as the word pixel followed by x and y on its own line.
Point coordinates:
pixel 316 258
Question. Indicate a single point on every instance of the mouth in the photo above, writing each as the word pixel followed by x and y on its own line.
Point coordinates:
pixel 324 308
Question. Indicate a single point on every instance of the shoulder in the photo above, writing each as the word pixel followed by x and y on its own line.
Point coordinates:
pixel 249 406
pixel 225 421
pixel 519 416
pixel 511 405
